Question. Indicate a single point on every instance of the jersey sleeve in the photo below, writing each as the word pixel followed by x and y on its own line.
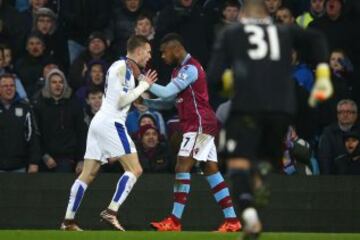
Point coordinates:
pixel 186 76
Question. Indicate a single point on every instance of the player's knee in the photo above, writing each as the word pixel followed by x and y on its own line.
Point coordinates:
pixel 138 171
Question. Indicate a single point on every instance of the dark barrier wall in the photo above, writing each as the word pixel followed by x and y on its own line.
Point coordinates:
pixel 316 204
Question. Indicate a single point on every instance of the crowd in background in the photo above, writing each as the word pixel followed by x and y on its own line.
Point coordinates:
pixel 54 56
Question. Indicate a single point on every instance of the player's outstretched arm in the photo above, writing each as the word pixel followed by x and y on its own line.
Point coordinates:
pixel 186 76
pixel 145 81
pixel 159 103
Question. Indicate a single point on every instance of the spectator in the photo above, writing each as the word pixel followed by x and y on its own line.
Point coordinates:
pixel 272 6
pixel 93 103
pixel 144 26
pixel 29 14
pixel 297 154
pixel 317 10
pixel 81 18
pixel 95 78
pixel 96 50
pixel 12 30
pixel 229 15
pixel 349 163
pixel 5 58
pixel 122 25
pixel 61 124
pixel 331 141
pixel 154 154
pixel 19 143
pixel 285 16
pixel 29 67
pixel 54 38
pixel 334 25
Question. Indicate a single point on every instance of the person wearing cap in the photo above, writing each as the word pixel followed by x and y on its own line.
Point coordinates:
pixel 44 23
pixel 349 163
pixel 154 154
pixel 96 51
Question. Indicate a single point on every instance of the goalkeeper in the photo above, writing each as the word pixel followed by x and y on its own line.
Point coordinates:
pixel 258 54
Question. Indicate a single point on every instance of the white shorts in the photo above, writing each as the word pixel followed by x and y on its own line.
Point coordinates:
pixel 107 138
pixel 200 146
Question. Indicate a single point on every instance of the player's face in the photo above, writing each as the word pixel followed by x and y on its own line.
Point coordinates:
pixel 44 24
pixel 333 8
pixel 97 74
pixel 35 47
pixel 167 54
pixel 144 53
pixel 150 138
pixel 94 101
pixel 7 89
pixel 272 5
pixel 351 143
pixel 346 114
pixel 56 86
pixel 284 16
pixel 317 5
pixel 335 59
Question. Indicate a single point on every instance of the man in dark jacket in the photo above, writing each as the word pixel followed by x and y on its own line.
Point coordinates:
pixel 19 143
pixel 154 154
pixel 331 141
pixel 61 124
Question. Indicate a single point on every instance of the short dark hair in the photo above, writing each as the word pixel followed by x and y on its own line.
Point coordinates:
pixel 172 37
pixel 136 41
pixel 7 75
pixel 93 90
pixel 145 15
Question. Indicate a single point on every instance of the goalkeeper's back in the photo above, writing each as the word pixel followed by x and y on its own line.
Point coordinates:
pixel 259 53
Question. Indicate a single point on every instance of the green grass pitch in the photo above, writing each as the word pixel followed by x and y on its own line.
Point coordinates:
pixel 144 235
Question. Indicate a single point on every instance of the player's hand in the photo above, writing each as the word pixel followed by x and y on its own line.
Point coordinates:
pixel 134 68
pixel 150 77
pixel 323 88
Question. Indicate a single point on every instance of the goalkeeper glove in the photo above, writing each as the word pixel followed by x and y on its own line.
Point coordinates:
pixel 227 83
pixel 323 88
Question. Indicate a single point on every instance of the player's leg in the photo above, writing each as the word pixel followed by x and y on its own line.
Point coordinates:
pixel 243 134
pixel 77 191
pixel 222 196
pixel 133 171
pixel 181 188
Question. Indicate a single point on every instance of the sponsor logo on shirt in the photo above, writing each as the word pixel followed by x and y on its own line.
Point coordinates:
pixel 179 100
